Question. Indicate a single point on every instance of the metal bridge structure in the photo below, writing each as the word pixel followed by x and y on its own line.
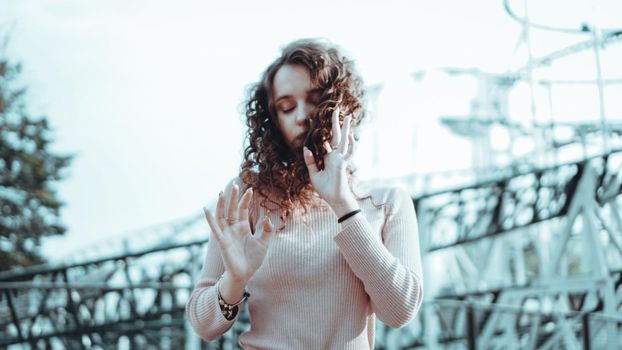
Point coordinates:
pixel 532 259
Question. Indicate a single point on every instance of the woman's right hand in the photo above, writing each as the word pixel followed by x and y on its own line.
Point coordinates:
pixel 242 252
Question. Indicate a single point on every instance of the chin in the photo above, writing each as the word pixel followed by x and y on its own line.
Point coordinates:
pixel 297 144
pixel 297 148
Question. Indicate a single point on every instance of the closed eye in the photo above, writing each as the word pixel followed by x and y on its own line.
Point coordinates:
pixel 286 105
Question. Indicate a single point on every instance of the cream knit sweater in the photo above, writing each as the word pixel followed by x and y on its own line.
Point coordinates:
pixel 322 283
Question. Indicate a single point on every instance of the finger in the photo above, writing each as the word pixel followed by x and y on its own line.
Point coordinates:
pixel 345 130
pixel 335 128
pixel 327 147
pixel 232 209
pixel 213 225
pixel 244 204
pixel 268 229
pixel 220 211
pixel 351 146
pixel 309 161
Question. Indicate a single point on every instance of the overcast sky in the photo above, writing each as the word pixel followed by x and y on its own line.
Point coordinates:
pixel 147 94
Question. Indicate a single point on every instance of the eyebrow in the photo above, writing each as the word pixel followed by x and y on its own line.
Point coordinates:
pixel 309 92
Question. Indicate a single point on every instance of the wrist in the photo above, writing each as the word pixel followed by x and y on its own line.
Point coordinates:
pixel 230 309
pixel 231 289
pixel 344 206
pixel 348 215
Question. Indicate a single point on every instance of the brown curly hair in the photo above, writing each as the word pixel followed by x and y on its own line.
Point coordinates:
pixel 270 166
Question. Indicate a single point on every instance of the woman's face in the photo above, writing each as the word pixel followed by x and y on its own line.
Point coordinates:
pixel 295 99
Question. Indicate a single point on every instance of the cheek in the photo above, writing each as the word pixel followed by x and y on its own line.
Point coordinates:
pixel 285 127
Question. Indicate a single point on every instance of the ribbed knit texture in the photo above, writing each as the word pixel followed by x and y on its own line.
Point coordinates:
pixel 322 284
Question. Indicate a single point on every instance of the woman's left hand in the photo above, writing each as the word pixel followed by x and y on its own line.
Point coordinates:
pixel 331 183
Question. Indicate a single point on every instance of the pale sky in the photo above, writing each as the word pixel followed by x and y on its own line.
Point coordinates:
pixel 147 94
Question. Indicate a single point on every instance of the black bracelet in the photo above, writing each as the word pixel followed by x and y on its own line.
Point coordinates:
pixel 348 215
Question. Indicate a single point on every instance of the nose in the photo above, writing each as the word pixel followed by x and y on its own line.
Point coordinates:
pixel 304 112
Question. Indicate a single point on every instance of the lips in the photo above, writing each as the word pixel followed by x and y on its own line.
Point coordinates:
pixel 300 139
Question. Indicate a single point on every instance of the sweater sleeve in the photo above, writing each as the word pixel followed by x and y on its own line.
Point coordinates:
pixel 202 309
pixel 389 265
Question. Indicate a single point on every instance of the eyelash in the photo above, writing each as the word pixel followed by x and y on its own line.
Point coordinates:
pixel 315 103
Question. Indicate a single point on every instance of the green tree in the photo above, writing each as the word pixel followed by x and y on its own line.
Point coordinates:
pixel 29 206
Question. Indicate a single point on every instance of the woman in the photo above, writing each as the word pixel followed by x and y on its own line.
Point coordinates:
pixel 318 261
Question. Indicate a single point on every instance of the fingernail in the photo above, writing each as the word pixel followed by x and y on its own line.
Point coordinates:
pixel 220 194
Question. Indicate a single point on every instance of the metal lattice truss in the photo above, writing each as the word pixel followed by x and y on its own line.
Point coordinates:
pixel 136 298
pixel 529 260
pixel 547 242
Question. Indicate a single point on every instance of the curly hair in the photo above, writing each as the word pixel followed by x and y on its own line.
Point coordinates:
pixel 270 166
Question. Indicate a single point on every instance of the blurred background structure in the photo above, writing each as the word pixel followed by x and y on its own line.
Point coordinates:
pixel 522 248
